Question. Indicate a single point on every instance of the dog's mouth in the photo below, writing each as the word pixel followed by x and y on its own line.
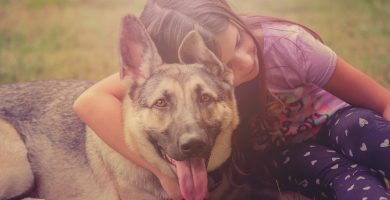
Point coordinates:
pixel 191 174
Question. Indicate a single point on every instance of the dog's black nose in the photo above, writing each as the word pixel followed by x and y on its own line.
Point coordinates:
pixel 193 147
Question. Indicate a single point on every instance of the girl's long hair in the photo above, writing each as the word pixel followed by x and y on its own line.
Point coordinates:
pixel 168 21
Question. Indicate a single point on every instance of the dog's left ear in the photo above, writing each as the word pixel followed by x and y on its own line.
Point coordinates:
pixel 138 53
pixel 194 50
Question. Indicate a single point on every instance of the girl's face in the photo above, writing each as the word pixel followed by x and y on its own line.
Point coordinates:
pixel 238 51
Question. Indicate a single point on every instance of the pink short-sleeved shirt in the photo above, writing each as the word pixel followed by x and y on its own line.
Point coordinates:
pixel 298 66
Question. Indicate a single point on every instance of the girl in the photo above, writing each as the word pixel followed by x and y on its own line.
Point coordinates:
pixel 303 123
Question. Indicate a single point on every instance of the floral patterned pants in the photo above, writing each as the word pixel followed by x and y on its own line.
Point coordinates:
pixel 348 160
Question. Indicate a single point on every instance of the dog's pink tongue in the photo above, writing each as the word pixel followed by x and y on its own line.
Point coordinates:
pixel 192 177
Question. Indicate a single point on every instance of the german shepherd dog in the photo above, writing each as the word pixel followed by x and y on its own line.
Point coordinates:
pixel 178 117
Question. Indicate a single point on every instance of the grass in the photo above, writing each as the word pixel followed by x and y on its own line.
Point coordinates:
pixel 60 40
pixel 77 39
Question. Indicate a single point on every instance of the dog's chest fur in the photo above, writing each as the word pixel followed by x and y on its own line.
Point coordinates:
pixel 126 178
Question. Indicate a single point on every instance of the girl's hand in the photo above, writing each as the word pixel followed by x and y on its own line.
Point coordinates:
pixel 170 186
pixel 386 113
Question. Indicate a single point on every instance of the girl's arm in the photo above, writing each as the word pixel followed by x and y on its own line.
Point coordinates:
pixel 100 108
pixel 356 88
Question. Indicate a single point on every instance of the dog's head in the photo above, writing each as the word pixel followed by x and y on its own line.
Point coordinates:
pixel 179 117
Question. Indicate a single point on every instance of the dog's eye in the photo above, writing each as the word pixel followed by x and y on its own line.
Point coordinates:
pixel 205 98
pixel 161 103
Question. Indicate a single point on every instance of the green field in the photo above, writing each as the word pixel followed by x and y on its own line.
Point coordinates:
pixel 77 39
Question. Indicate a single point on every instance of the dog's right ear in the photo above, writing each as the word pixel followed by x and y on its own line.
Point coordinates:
pixel 138 53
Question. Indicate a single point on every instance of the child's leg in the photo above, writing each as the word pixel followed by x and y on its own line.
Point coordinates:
pixel 361 135
pixel 321 173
